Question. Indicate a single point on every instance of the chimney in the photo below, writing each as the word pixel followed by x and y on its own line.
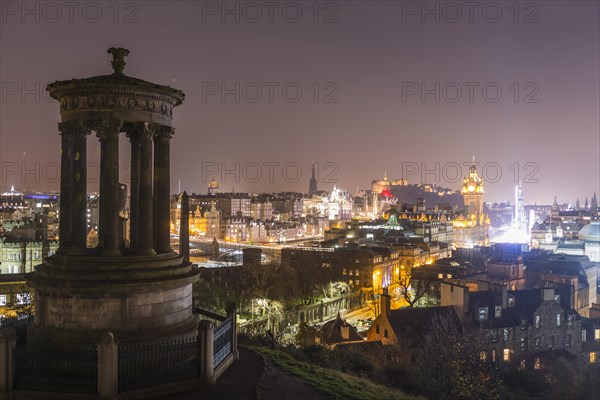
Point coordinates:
pixel 547 294
pixel 386 303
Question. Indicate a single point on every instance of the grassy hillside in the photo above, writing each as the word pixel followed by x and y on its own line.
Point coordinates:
pixel 333 383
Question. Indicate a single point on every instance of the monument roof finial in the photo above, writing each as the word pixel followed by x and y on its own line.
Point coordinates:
pixel 118 62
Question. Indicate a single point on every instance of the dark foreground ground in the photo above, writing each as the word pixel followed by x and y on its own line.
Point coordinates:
pixel 254 378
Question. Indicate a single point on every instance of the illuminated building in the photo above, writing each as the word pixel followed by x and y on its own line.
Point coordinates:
pixel 380 193
pixel 261 210
pixel 213 186
pixel 213 222
pixel 471 227
pixel 198 223
pixel 336 205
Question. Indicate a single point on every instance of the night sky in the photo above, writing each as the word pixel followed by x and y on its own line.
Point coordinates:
pixel 357 68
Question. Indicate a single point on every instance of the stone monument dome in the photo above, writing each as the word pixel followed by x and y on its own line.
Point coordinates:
pixel 590 232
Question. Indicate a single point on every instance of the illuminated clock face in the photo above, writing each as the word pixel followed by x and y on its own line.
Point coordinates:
pixel 471 188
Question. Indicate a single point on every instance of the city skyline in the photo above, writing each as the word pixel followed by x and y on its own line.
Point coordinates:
pixel 362 123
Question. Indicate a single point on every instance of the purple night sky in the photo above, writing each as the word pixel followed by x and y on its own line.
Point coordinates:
pixel 358 68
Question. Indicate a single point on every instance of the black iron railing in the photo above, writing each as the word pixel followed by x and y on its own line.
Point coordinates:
pixel 49 370
pixel 222 341
pixel 19 324
pixel 143 365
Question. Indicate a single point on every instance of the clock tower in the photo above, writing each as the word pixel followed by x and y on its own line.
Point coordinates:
pixel 472 191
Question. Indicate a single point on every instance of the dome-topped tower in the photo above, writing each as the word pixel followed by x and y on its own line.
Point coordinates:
pixel 138 289
pixel 473 191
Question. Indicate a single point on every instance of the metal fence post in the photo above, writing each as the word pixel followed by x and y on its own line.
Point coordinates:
pixel 206 343
pixel 107 367
pixel 8 343
pixel 231 312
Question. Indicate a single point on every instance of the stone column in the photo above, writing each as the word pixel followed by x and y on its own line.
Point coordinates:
pixel 141 135
pixel 162 188
pixel 79 202
pixel 145 225
pixel 184 228
pixel 107 367
pixel 8 342
pixel 108 133
pixel 134 191
pixel 66 186
pixel 206 343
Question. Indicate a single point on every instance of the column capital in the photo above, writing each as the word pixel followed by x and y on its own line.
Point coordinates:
pixel 71 129
pixel 106 128
pixel 138 131
pixel 162 133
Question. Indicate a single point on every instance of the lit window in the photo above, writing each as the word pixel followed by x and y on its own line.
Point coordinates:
pixel 344 271
pixel 441 276
pixel 511 301
pixel 537 364
pixel 558 320
pixel 22 298
pixel 506 355
pixel 494 336
pixel 2 299
pixel 493 355
pixel 571 320
pixel 483 313
pixel 597 334
pixel 522 365
pixel 482 355
pixel 498 311
pixel 523 344
pixel 592 357
pixel 538 321
pixel 505 334
pixel 538 343
pixel 583 335
pixel 557 298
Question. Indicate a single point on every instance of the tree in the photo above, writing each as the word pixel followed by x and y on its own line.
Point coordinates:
pixel 333 289
pixel 411 289
pixel 306 335
pixel 449 358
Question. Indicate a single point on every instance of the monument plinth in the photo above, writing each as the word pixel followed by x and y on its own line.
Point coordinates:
pixel 139 289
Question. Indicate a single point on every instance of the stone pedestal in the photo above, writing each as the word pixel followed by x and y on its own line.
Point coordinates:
pixel 135 297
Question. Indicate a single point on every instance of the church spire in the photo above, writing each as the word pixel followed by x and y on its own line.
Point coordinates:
pixel 312 185
pixel 594 204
